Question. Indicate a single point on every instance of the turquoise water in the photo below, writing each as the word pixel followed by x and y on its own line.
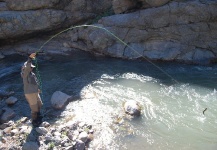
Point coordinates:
pixel 172 115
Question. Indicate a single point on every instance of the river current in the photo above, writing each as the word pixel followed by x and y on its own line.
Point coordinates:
pixel 172 113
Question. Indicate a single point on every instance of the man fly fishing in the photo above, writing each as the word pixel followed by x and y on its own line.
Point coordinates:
pixel 31 90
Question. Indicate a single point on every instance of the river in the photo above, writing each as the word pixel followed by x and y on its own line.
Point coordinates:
pixel 172 113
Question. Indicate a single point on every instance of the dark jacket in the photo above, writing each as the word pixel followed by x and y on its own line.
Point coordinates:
pixel 30 81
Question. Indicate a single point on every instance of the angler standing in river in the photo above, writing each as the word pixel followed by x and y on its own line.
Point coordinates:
pixel 31 90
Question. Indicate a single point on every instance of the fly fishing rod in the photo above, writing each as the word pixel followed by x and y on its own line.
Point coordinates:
pixel 112 34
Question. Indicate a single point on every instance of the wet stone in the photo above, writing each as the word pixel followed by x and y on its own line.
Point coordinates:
pixel 57 134
pixel 81 124
pixel 23 119
pixel 11 100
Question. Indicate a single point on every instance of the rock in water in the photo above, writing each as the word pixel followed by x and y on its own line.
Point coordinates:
pixel 132 107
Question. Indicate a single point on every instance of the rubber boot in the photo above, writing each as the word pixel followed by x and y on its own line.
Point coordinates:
pixel 35 119
pixel 39 117
pixel 35 123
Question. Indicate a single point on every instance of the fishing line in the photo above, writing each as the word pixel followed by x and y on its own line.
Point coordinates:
pixel 93 26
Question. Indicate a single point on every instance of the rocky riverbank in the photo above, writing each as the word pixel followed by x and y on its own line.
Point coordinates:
pixel 66 133
pixel 60 132
pixel 67 136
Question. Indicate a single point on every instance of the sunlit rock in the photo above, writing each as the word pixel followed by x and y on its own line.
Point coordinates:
pixel 14 131
pixel 83 136
pixel 7 130
pixel 59 100
pixel 132 107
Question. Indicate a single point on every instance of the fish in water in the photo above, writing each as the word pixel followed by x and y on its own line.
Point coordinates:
pixel 204 111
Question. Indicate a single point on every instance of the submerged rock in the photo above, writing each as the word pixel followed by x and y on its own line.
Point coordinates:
pixel 132 107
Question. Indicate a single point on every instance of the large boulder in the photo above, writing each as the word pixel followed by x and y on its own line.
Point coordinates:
pixel 29 17
pixel 120 6
pixel 156 3
pixel 14 24
pixel 132 107
pixel 59 100
pixel 30 4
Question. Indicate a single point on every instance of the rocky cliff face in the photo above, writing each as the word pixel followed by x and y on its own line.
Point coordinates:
pixel 168 30
pixel 182 31
pixel 23 17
